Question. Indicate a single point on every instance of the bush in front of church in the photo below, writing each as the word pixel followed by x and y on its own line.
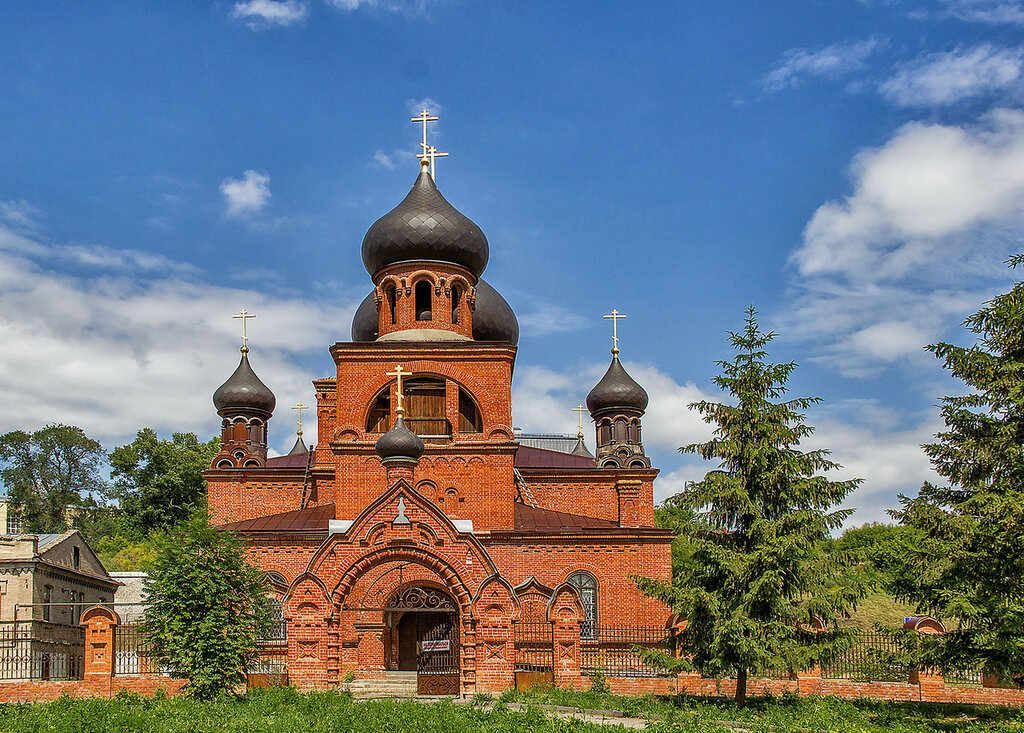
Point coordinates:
pixel 208 608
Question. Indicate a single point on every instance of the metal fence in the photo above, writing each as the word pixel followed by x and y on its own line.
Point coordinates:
pixel 614 651
pixel 39 650
pixel 868 660
pixel 534 646
pixel 132 651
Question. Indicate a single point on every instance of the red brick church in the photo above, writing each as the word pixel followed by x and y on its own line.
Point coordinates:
pixel 422 535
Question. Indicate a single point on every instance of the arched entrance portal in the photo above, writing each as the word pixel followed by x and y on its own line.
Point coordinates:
pixel 424 624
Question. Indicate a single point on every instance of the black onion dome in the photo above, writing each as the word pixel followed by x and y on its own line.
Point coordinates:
pixel 616 390
pixel 399 442
pixel 244 392
pixel 425 227
pixel 493 319
pixel 364 322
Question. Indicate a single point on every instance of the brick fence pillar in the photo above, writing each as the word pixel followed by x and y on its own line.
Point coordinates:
pixel 566 642
pixel 99 623
pixel 371 649
pixel 930 681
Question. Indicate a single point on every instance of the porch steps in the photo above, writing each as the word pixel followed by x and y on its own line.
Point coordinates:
pixel 394 684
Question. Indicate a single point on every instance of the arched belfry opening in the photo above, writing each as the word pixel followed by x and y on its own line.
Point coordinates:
pixel 424 311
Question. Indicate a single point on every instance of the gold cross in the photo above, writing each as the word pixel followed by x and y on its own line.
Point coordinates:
pixel 429 153
pixel 244 315
pixel 580 409
pixel 615 316
pixel 300 407
pixel 424 118
pixel 398 374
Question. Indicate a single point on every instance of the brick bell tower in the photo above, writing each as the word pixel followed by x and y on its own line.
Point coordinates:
pixel 432 318
pixel 616 404
pixel 245 405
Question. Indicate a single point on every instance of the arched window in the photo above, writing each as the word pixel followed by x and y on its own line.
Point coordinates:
pixel 469 414
pixel 456 301
pixel 425 409
pixel 423 310
pixel 620 430
pixel 392 304
pixel 586 585
pixel 604 433
pixel 379 419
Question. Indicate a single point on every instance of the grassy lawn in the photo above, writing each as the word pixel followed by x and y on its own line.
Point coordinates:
pixel 285 711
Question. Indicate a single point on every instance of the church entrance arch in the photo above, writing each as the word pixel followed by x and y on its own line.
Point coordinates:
pixel 424 623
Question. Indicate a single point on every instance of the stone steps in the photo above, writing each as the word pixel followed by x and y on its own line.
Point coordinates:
pixel 393 684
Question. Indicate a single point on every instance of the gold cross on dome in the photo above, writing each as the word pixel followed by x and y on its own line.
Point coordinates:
pixel 580 409
pixel 429 153
pixel 615 316
pixel 300 407
pixel 398 374
pixel 424 118
pixel 244 315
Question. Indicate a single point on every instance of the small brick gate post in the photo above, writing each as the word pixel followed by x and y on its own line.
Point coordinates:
pixel 929 680
pixel 99 623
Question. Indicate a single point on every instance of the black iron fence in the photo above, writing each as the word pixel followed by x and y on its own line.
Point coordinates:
pixel 132 651
pixel 614 651
pixel 39 650
pixel 534 647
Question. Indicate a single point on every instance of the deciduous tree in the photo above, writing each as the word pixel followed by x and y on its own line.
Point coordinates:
pixel 157 483
pixel 208 607
pixel 47 471
pixel 759 574
pixel 968 567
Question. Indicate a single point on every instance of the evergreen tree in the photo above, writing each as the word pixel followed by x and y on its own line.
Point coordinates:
pixel 760 573
pixel 968 567
pixel 48 471
pixel 208 608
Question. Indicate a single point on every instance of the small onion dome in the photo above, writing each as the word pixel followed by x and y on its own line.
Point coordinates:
pixel 581 449
pixel 244 392
pixel 364 322
pixel 493 319
pixel 616 390
pixel 399 442
pixel 425 227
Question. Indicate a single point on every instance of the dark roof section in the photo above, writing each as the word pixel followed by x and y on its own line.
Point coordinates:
pixel 528 457
pixel 296 460
pixel 581 450
pixel 616 390
pixel 533 518
pixel 299 520
pixel 493 317
pixel 425 227
pixel 364 322
pixel 244 392
pixel 299 448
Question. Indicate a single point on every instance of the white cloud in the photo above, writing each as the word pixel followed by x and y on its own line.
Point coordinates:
pixel 917 245
pixel 830 62
pixel 246 195
pixel 383 160
pixel 266 13
pixel 946 78
pixel 406 7
pixel 993 12
pixel 138 342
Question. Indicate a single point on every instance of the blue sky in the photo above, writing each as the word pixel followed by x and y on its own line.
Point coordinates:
pixel 854 169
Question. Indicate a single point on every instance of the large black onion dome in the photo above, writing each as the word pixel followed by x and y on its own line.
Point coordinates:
pixel 244 392
pixel 425 227
pixel 364 322
pixel 493 319
pixel 399 442
pixel 616 390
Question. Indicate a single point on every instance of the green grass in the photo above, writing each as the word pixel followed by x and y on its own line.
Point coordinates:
pixel 287 711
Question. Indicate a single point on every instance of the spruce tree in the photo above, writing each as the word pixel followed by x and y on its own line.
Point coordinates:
pixel 759 576
pixel 968 567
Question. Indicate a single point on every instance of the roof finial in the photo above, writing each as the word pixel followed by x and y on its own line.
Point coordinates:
pixel 424 117
pixel 244 315
pixel 429 152
pixel 580 409
pixel 300 407
pixel 398 374
pixel 615 316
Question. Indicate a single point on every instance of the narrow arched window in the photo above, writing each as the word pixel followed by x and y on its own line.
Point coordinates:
pixel 469 414
pixel 586 585
pixel 423 309
pixel 392 304
pixel 456 301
